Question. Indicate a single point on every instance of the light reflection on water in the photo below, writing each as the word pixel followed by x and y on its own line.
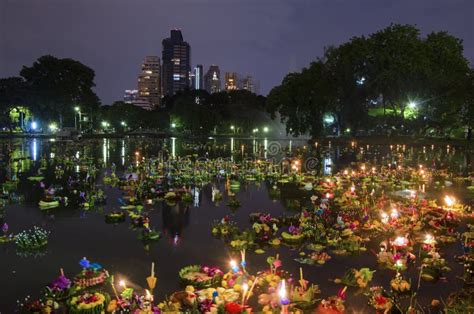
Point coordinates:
pixel 186 228
pixel 120 150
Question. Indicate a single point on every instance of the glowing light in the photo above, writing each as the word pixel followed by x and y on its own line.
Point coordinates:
pixel 122 284
pixel 265 129
pixel 394 213
pixel 34 125
pixel 384 217
pixel 173 125
pixel 449 201
pixel 53 127
pixel 282 293
pixel 412 105
pixel 400 241
pixel 429 239
pixel 399 263
pixel 233 265
pixel 77 109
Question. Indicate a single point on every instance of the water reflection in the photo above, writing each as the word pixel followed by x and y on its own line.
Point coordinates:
pixel 173 147
pixel 122 153
pixel 105 150
pixel 265 147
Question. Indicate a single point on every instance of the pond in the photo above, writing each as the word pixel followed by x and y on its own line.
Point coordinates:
pixel 76 232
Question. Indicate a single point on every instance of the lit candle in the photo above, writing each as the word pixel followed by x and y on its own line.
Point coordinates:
pixel 400 241
pixel 122 284
pixel 394 214
pixel 233 265
pixel 245 288
pixel 429 239
pixel 284 301
pixel 450 201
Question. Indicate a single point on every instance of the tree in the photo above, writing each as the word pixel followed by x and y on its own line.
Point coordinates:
pixel 301 100
pixel 394 68
pixel 13 93
pixel 56 86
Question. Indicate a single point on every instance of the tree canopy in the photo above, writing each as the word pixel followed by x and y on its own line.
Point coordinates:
pixel 427 80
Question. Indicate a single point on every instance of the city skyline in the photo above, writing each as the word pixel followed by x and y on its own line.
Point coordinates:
pixel 265 43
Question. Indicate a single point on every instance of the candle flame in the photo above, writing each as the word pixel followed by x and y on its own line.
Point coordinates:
pixel 282 291
pixel 449 200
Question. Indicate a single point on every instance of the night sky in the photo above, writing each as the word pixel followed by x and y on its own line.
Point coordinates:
pixel 264 38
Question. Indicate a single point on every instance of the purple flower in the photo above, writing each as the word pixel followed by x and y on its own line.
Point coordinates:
pixel 294 230
pixel 205 306
pixel 60 284
pixel 5 228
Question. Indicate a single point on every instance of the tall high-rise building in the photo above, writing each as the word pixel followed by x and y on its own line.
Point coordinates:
pixel 149 81
pixel 249 84
pixel 198 78
pixel 231 81
pixel 176 63
pixel 212 79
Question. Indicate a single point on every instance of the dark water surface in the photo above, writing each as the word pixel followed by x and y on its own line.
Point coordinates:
pixel 187 239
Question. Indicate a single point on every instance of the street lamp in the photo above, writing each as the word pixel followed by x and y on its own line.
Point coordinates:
pixel 173 125
pixel 412 105
pixel 265 129
pixel 104 124
pixel 53 127
pixel 123 123
pixel 232 128
pixel 77 110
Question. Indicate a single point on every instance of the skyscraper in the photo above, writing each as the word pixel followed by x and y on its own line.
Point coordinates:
pixel 198 77
pixel 176 63
pixel 249 84
pixel 212 79
pixel 149 81
pixel 230 81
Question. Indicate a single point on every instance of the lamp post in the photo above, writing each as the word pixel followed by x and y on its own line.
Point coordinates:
pixel 77 112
